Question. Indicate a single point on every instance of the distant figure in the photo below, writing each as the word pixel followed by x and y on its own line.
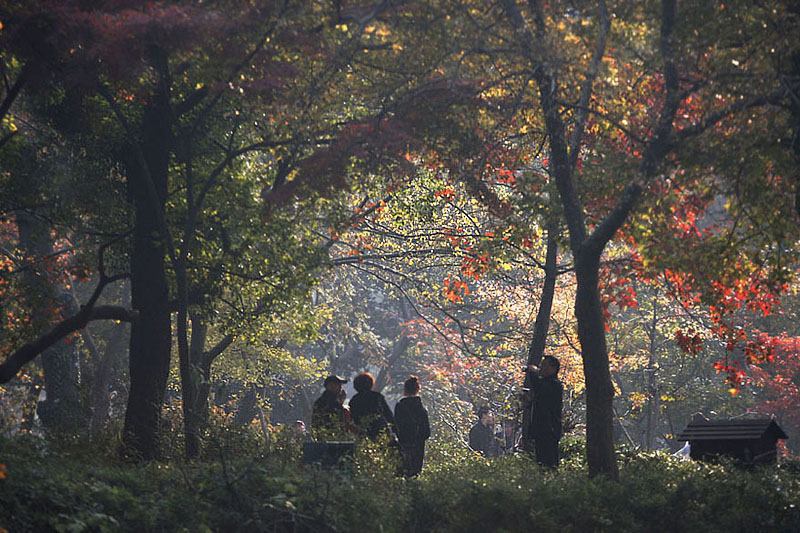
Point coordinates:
pixel 299 433
pixel 482 436
pixel 371 413
pixel 547 393
pixel 327 416
pixel 413 428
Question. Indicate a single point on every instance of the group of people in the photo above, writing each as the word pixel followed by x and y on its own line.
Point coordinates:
pixel 369 415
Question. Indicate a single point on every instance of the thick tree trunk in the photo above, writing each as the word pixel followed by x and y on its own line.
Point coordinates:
pixel 586 249
pixel 151 335
pixel 594 352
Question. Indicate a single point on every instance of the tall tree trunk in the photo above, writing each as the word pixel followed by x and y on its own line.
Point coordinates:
pixel 586 252
pixel 63 410
pixel 594 352
pixel 541 326
pixel 151 335
pixel 195 388
pixel 586 249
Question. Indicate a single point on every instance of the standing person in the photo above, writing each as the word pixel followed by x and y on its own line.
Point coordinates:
pixel 370 412
pixel 327 416
pixel 482 435
pixel 413 428
pixel 547 392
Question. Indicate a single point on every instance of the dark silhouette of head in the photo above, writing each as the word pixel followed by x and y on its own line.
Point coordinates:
pixel 411 386
pixel 364 382
pixel 550 366
pixel 333 383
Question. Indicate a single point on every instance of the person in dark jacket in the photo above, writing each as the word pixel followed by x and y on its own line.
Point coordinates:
pixel 547 392
pixel 482 436
pixel 369 410
pixel 328 416
pixel 413 429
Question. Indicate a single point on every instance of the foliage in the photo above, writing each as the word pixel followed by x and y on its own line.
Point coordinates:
pixel 406 148
pixel 70 490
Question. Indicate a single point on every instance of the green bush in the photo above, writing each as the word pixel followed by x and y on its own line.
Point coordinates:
pixel 64 488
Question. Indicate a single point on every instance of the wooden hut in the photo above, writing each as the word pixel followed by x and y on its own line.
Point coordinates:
pixel 751 441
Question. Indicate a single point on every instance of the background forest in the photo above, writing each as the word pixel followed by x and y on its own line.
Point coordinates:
pixel 207 206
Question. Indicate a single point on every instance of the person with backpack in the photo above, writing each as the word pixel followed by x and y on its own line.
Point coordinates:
pixel 413 428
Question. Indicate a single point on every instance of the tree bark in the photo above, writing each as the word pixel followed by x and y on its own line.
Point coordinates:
pixel 594 353
pixel 151 335
pixel 586 249
pixel 541 326
pixel 195 389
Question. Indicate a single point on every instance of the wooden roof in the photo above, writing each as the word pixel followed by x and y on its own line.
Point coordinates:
pixel 745 429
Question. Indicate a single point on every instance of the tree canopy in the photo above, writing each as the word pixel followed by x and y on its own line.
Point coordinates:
pixel 450 188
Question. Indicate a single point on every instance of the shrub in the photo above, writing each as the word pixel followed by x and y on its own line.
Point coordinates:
pixel 45 488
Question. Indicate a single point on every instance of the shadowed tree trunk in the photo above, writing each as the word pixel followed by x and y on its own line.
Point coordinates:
pixel 151 335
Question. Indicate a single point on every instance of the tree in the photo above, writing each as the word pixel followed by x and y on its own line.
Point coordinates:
pixel 185 103
pixel 659 139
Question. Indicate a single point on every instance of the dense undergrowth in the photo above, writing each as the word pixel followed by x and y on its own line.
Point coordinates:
pixel 73 487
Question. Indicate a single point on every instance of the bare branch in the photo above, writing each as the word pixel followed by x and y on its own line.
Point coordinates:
pixel 11 366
